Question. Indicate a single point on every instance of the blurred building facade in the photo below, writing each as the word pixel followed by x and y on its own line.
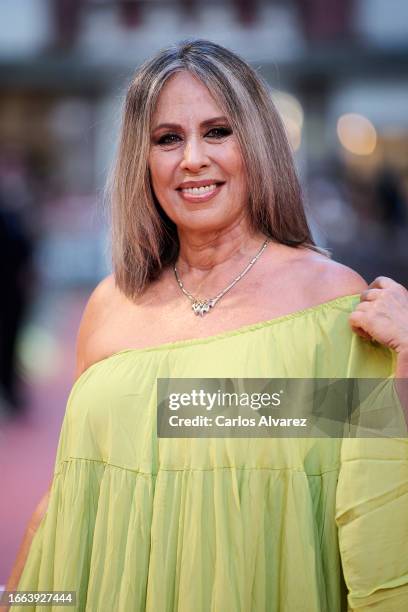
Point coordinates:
pixel 338 74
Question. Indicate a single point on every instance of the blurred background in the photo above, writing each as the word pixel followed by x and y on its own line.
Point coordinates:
pixel 338 70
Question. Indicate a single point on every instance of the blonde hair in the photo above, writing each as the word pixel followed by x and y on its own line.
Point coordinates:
pixel 144 239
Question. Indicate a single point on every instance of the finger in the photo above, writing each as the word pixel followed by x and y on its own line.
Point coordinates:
pixel 362 333
pixel 382 282
pixel 369 295
pixel 356 317
pixel 356 320
pixel 363 307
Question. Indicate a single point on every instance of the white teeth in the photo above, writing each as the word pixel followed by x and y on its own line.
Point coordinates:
pixel 198 190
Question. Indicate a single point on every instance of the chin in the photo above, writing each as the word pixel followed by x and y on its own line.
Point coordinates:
pixel 203 224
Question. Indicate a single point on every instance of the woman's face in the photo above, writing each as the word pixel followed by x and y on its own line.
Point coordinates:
pixel 192 145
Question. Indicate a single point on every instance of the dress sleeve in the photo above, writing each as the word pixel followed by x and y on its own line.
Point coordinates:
pixel 372 511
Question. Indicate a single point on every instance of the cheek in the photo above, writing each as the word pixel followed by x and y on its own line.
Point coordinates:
pixel 157 172
pixel 161 171
pixel 233 162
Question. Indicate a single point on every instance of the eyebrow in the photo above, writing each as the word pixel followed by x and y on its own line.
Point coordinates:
pixel 175 126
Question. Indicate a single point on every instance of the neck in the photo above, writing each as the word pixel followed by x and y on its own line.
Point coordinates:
pixel 203 252
pixel 215 257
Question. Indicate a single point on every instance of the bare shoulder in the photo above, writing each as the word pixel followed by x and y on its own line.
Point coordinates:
pixel 326 279
pixel 100 303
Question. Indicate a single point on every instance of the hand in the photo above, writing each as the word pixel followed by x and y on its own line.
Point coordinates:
pixel 382 314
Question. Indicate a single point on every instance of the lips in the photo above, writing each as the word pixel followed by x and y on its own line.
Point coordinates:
pixel 200 194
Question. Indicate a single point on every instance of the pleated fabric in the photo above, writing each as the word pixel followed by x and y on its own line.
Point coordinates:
pixel 137 523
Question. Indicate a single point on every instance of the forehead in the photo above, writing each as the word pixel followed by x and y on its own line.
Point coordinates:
pixel 182 96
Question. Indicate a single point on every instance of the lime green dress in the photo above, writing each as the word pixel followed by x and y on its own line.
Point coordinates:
pixel 140 523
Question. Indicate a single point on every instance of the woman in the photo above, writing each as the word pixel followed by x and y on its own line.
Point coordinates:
pixel 206 202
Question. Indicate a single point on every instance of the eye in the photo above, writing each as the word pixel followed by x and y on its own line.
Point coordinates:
pixel 220 132
pixel 167 139
pixel 215 132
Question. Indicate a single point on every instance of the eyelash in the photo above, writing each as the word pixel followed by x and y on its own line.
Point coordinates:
pixel 224 132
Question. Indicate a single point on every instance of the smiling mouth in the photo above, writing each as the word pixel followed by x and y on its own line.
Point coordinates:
pixel 200 190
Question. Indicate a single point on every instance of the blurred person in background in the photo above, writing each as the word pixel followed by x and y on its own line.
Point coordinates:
pixel 16 251
pixel 205 196
pixel 391 203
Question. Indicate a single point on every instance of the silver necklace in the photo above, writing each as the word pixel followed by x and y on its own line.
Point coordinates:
pixel 202 306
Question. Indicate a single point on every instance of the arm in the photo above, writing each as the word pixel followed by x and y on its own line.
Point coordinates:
pixel 383 316
pixel 371 499
pixel 89 342
pixel 31 528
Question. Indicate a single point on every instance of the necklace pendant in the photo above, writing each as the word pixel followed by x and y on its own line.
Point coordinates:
pixel 201 307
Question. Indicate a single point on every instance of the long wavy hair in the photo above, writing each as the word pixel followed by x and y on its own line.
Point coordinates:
pixel 144 240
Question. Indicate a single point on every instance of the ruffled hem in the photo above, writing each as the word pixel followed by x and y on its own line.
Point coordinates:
pixel 182 540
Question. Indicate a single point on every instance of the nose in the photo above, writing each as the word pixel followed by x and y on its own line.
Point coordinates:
pixel 194 155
